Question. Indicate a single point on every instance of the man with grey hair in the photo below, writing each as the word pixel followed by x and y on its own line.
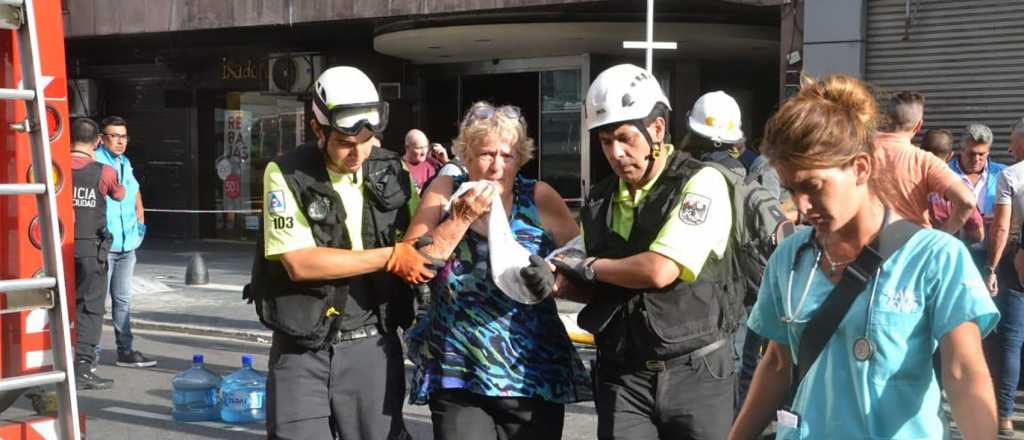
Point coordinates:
pixel 1001 277
pixel 939 142
pixel 974 168
pixel 911 174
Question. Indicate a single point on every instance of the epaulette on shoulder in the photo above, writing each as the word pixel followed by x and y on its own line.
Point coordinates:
pixel 379 153
pixel 297 158
pixel 682 164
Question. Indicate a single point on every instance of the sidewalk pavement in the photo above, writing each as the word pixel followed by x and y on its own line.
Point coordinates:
pixel 162 300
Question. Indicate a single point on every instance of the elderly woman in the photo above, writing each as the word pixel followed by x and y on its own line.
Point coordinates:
pixel 868 374
pixel 489 366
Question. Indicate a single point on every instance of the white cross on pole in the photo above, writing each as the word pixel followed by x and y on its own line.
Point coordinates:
pixel 650 44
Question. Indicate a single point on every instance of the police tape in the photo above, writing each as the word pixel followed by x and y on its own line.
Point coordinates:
pixel 205 211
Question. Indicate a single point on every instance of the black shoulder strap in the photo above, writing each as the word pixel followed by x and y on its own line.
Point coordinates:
pixel 855 278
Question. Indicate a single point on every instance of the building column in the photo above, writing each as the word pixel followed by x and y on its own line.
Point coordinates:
pixel 834 37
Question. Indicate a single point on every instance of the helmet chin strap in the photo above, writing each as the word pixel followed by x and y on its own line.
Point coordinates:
pixel 654 151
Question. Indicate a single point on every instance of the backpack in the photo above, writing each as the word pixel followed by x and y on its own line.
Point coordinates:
pixel 759 224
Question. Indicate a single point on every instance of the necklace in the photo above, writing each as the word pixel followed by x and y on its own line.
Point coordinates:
pixel 833 265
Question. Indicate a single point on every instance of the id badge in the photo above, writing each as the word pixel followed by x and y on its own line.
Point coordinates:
pixel 787 419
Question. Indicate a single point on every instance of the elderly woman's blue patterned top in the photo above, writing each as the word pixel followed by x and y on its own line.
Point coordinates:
pixel 475 338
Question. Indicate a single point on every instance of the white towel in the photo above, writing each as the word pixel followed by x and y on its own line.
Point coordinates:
pixel 507 255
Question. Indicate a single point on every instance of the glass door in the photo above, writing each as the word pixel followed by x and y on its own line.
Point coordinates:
pixel 559 146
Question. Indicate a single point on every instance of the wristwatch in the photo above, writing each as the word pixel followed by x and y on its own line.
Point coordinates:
pixel 588 269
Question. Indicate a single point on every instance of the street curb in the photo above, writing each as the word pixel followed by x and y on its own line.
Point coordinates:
pixel 262 337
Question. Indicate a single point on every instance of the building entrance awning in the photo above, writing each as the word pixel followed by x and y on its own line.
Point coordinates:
pixel 464 43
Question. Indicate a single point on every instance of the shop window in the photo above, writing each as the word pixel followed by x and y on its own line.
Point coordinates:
pixel 250 130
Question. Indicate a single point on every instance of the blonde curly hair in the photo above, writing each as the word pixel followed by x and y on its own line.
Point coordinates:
pixel 483 120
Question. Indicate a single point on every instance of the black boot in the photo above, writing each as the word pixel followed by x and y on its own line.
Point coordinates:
pixel 87 380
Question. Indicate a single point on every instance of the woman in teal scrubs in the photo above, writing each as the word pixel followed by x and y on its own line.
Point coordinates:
pixel 926 295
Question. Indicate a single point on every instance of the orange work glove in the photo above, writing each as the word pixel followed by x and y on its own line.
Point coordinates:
pixel 409 264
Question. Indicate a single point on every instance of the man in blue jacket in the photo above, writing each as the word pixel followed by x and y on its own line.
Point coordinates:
pixel 980 173
pixel 126 221
pixel 975 168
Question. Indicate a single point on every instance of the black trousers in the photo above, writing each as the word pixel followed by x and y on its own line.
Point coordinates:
pixel 462 415
pixel 692 400
pixel 90 294
pixel 352 389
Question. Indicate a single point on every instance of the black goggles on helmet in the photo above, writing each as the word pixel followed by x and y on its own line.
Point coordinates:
pixel 350 119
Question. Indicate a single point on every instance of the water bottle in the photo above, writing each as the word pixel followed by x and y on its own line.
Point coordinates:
pixel 195 393
pixel 244 393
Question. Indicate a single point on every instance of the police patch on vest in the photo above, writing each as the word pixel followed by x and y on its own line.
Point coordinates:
pixel 318 209
pixel 276 202
pixel 83 197
pixel 694 209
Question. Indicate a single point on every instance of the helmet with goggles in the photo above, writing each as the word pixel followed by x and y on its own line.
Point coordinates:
pixel 346 100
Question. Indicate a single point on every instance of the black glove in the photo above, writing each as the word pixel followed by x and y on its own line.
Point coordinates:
pixel 424 241
pixel 573 273
pixel 422 291
pixel 539 279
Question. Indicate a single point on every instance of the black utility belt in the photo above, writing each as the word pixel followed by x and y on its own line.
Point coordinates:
pixel 338 335
pixel 664 364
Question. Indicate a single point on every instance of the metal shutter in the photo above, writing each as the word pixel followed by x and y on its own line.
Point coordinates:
pixel 965 56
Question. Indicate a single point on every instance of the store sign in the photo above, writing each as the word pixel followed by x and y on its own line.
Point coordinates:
pixel 236 134
pixel 232 187
pixel 234 73
pixel 233 166
pixel 223 168
pixel 242 70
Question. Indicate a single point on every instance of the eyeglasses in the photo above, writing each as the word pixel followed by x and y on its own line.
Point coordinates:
pixel 483 111
pixel 117 137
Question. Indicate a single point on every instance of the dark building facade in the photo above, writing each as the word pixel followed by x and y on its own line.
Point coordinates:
pixel 214 89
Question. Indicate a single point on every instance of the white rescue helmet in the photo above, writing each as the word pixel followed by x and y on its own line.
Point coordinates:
pixel 345 99
pixel 716 116
pixel 622 93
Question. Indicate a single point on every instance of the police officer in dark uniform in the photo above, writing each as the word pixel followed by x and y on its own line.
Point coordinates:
pixel 661 292
pixel 331 275
pixel 92 182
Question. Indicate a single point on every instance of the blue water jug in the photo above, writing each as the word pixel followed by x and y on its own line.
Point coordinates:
pixel 195 393
pixel 244 393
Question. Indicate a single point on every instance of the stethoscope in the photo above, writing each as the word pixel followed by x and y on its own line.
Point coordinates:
pixel 863 348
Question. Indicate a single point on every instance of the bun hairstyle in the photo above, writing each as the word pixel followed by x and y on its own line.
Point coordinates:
pixel 828 123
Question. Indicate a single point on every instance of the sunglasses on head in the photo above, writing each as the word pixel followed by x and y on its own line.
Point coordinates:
pixel 487 111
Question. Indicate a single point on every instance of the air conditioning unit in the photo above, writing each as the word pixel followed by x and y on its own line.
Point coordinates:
pixel 294 73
